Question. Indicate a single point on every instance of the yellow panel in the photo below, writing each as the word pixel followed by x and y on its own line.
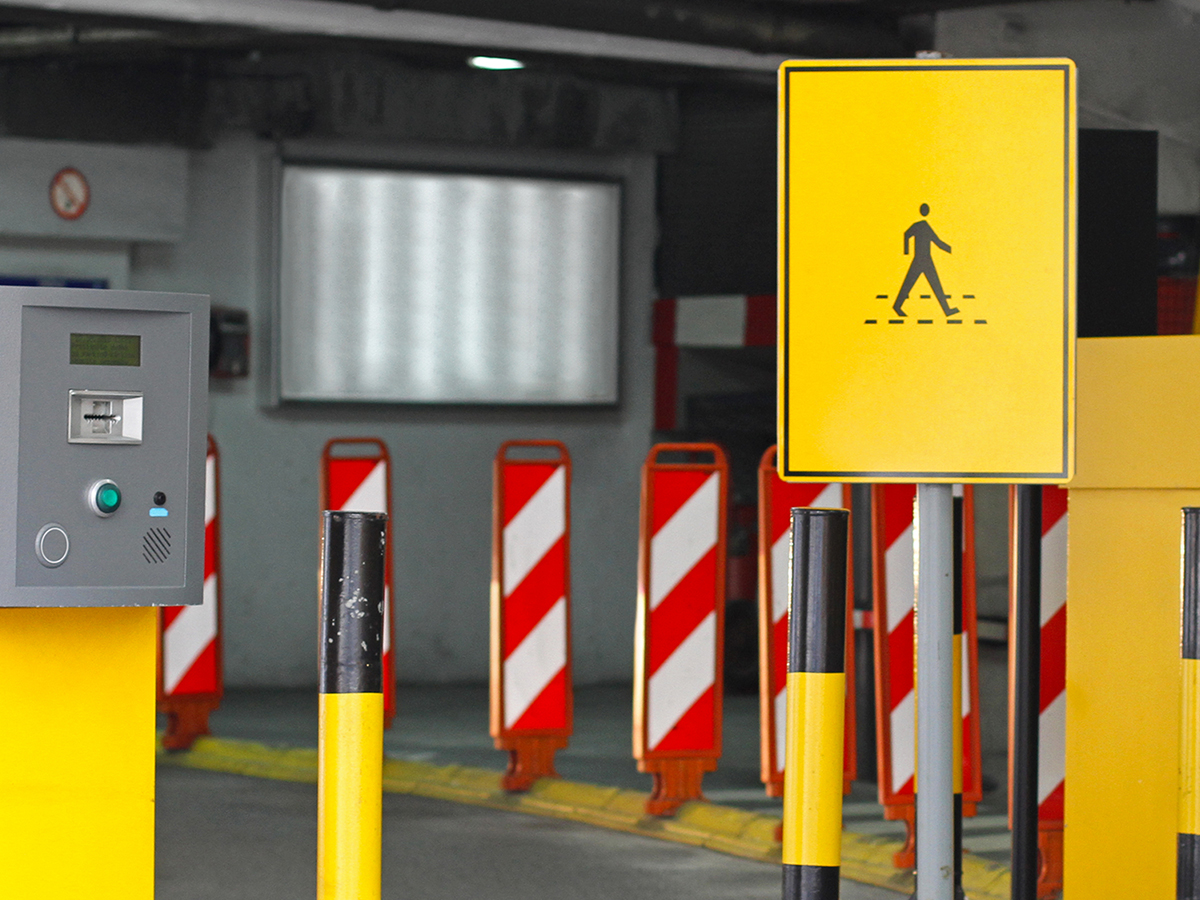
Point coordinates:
pixel 957 172
pixel 350 797
pixel 1146 390
pixel 1189 747
pixel 812 774
pixel 77 753
pixel 1123 692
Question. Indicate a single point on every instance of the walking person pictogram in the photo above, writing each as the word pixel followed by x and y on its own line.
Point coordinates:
pixel 922 235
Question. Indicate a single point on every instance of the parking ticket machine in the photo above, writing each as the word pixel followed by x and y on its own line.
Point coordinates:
pixel 104 399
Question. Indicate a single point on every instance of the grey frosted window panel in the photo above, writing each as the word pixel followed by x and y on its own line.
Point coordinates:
pixel 430 287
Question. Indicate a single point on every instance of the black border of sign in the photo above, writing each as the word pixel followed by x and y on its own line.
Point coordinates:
pixel 1036 477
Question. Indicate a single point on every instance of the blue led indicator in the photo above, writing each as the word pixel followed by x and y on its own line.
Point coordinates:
pixel 158 512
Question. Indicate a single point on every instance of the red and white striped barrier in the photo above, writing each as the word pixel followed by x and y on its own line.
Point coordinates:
pixel 720 320
pixel 776 499
pixel 717 320
pixel 680 623
pixel 190 683
pixel 1052 720
pixel 895 661
pixel 356 477
pixel 531 687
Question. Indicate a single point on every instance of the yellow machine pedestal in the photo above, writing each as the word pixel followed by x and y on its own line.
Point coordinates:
pixel 77 753
pixel 1137 465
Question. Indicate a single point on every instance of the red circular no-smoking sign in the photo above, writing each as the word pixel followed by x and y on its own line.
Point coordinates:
pixel 69 193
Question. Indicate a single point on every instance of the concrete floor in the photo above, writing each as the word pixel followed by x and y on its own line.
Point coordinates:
pixel 227 837
pixel 449 724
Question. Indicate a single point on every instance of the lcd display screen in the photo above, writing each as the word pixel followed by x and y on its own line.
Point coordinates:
pixel 106 349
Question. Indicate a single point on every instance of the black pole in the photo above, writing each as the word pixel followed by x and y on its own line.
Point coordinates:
pixel 353 549
pixel 1026 634
pixel 959 525
pixel 864 640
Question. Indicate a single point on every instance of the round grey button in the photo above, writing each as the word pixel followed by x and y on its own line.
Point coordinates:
pixel 52 545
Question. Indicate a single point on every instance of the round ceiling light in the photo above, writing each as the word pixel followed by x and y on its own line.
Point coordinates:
pixel 495 63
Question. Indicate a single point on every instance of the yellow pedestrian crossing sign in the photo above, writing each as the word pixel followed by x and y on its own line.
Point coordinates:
pixel 927 270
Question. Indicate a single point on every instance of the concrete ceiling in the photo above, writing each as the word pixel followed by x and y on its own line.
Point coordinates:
pixel 746 36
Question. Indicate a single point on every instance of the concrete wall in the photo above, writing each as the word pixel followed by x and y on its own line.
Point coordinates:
pixel 441 455
pixel 1137 69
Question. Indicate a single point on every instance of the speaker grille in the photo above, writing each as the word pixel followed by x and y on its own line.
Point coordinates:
pixel 156 545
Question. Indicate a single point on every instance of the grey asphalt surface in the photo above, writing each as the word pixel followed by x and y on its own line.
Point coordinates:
pixel 448 724
pixel 229 837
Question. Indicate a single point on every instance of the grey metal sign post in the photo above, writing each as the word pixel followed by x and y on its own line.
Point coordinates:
pixel 935 686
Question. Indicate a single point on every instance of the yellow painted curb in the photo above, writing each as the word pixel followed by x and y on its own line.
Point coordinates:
pixel 865 858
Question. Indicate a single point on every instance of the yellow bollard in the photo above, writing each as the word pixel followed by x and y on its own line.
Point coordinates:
pixel 816 705
pixel 1187 872
pixel 350 766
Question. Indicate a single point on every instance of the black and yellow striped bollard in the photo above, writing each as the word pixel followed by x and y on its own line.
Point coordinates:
pixel 1187 879
pixel 350 764
pixel 816 690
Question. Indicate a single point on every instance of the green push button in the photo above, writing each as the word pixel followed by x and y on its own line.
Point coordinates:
pixel 104 498
pixel 108 498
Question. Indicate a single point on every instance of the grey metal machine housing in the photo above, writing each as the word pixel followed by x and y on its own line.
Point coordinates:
pixel 102 447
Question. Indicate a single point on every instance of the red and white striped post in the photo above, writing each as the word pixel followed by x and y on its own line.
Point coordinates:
pixel 531 686
pixel 680 623
pixel 190 678
pixel 356 477
pixel 892 507
pixel 1052 706
pixel 776 499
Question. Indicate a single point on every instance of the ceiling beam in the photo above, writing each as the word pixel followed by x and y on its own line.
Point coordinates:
pixel 343 20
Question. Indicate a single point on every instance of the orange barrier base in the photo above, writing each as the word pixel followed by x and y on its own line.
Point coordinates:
pixel 906 856
pixel 187 719
pixel 529 758
pixel 676 781
pixel 1050 855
